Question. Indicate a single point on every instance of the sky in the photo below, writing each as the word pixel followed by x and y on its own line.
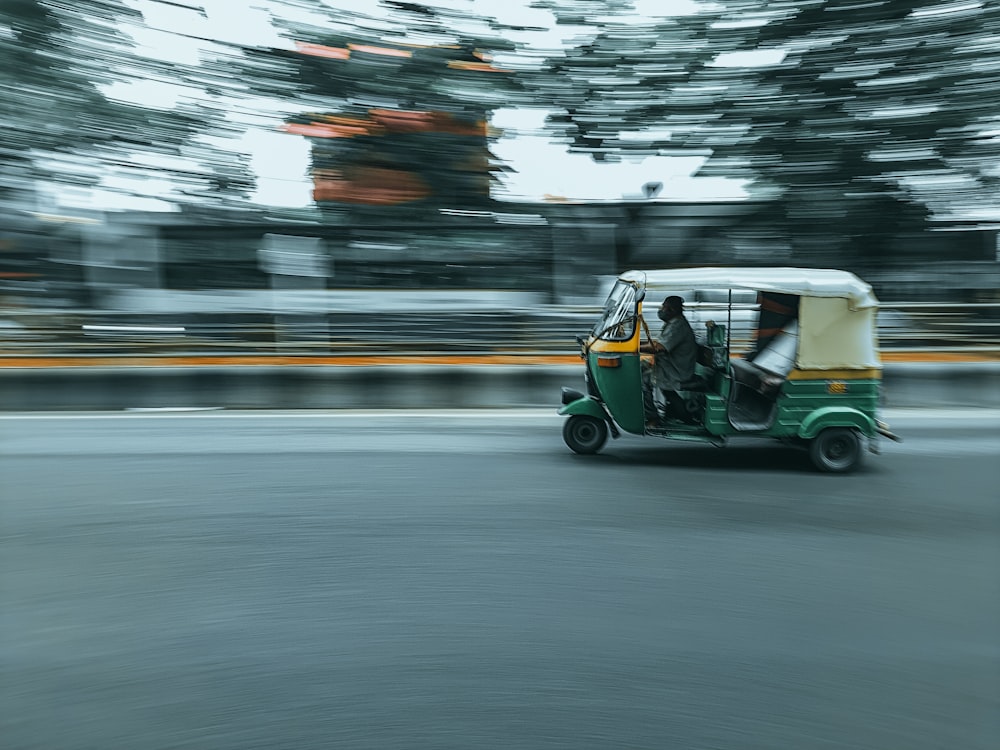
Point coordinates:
pixel 280 160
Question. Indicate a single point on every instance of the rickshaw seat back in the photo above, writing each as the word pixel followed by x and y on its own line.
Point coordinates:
pixel 713 354
pixel 715 334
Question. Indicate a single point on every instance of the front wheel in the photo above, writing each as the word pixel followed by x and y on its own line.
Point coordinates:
pixel 836 449
pixel 584 434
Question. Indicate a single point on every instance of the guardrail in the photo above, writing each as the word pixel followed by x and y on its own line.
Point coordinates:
pixel 973 328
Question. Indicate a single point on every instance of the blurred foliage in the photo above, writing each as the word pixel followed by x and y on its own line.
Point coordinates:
pixel 395 106
pixel 866 117
pixel 61 128
pixel 858 119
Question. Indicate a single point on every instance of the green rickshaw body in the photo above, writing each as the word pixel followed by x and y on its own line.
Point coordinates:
pixel 810 371
pixel 620 389
pixel 806 406
pixel 620 386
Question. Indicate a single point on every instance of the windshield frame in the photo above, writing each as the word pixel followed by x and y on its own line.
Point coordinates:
pixel 620 314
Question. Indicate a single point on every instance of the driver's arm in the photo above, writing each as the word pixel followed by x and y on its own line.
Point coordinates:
pixel 652 347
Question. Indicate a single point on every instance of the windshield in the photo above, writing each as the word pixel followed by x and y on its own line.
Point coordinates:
pixel 618 318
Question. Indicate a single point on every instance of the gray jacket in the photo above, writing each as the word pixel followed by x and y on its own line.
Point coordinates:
pixel 676 364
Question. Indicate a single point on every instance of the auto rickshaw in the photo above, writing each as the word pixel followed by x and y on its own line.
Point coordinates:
pixel 803 369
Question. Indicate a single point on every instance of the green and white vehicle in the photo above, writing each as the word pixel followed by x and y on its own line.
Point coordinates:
pixel 807 370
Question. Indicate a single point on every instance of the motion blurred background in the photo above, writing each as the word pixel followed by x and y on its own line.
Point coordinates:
pixel 292 175
pixel 187 185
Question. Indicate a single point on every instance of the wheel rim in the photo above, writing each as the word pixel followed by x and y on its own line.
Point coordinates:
pixel 586 433
pixel 840 451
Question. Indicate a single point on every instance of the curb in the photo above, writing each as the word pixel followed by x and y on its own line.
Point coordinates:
pixel 400 386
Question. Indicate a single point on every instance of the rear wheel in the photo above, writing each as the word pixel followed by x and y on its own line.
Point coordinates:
pixel 836 449
pixel 585 434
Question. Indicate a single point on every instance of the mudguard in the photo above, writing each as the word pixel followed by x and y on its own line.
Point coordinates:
pixel 590 407
pixel 836 416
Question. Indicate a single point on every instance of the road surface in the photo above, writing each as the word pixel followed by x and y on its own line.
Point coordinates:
pixel 231 581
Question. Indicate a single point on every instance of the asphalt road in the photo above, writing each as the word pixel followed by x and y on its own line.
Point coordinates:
pixel 235 581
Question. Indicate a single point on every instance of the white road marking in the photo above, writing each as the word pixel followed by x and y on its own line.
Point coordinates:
pixel 219 413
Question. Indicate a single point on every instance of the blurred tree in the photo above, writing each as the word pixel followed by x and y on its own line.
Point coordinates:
pixel 609 90
pixel 859 119
pixel 61 128
pixel 397 106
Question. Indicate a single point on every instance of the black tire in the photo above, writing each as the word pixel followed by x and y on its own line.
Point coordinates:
pixel 584 434
pixel 836 450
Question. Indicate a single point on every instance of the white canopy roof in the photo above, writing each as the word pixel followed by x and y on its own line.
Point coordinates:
pixel 805 282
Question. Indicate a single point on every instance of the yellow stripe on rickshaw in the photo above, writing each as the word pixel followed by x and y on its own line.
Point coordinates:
pixel 614 347
pixel 871 373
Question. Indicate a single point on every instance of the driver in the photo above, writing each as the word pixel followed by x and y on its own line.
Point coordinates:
pixel 675 352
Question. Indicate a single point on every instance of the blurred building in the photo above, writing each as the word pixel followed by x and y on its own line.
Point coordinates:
pixel 427 151
pixel 384 159
pixel 547 253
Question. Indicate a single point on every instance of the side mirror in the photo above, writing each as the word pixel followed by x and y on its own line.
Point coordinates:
pixel 640 296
